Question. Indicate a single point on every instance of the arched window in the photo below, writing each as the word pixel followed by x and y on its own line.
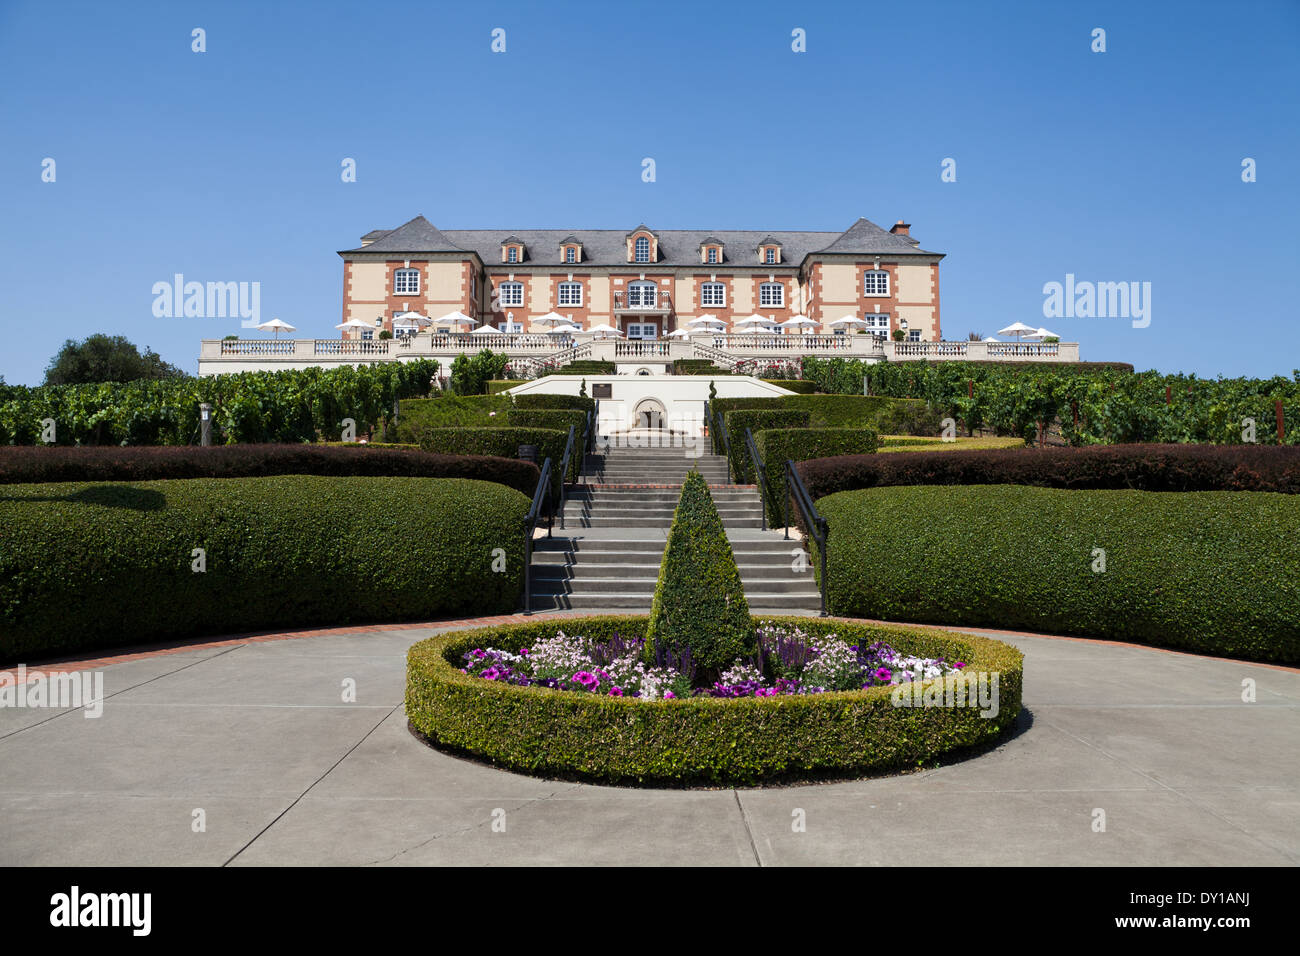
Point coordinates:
pixel 642 248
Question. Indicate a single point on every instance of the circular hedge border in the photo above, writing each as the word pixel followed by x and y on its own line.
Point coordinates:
pixel 701 740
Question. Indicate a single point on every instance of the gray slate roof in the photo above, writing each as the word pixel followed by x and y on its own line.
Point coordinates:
pixel 677 247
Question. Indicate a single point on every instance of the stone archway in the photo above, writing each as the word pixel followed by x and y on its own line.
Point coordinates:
pixel 649 413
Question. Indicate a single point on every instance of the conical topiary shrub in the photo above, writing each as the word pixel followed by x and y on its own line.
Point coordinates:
pixel 699 602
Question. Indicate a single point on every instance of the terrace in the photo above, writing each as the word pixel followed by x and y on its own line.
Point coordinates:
pixel 535 351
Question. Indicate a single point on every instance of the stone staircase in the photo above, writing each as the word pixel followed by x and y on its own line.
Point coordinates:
pixel 616 528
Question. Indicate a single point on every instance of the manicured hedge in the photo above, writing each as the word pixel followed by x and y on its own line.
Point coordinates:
pixel 697 367
pixel 793 384
pixel 583 403
pixel 775 446
pixel 501 442
pixel 559 420
pixel 27 465
pixel 701 740
pixel 1210 572
pixel 699 603
pixel 824 411
pixel 583 367
pixel 742 469
pixel 1143 467
pixel 415 416
pixel 99 565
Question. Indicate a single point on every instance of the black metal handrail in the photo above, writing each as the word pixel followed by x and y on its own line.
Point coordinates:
pixel 813 522
pixel 756 462
pixel 541 499
pixel 726 439
pixel 564 476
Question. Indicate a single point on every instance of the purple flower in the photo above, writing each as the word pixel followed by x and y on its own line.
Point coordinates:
pixel 523 652
pixel 959 665
pixel 883 674
pixel 492 673
pixel 616 692
pixel 478 653
pixel 669 695
pixel 586 679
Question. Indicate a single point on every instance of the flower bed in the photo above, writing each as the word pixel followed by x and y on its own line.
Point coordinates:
pixel 731 733
pixel 789 660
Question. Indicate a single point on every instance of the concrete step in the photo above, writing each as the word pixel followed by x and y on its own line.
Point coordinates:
pixel 555 584
pixel 615 521
pixel 640 560
pixel 563 544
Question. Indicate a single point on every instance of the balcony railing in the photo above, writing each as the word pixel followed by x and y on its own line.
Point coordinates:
pixel 642 349
pixel 648 300
pixel 258 347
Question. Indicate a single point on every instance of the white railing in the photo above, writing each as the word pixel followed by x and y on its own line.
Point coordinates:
pixel 355 346
pixel 643 349
pixel 541 343
pixel 982 351
pixel 258 347
pixel 787 344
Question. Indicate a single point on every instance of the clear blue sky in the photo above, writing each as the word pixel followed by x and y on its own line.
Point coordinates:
pixel 224 166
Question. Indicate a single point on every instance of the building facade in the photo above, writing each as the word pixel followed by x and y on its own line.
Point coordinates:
pixel 646 282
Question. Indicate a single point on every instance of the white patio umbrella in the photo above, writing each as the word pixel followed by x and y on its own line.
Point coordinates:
pixel 553 318
pixel 849 320
pixel 704 320
pixel 605 329
pixel 565 329
pixel 989 338
pixel 752 323
pixel 680 333
pixel 457 318
pixel 354 324
pixel 1017 329
pixel 486 329
pixel 798 322
pixel 278 326
pixel 1041 333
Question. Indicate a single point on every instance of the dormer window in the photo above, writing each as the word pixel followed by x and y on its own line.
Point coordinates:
pixel 769 252
pixel 769 256
pixel 512 249
pixel 711 256
pixel 711 251
pixel 570 250
pixel 642 245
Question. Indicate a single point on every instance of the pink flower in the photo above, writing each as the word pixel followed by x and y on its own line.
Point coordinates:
pixel 669 695
pixel 616 692
pixel 959 665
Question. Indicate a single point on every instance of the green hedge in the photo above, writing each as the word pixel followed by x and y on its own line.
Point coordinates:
pixel 1208 572
pixel 583 403
pixel 699 603
pixel 775 446
pixel 99 565
pixel 701 740
pixel 793 384
pixel 583 367
pixel 824 411
pixel 415 416
pixel 742 469
pixel 559 420
pixel 502 442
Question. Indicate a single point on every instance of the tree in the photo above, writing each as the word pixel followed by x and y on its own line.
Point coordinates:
pixel 699 601
pixel 106 358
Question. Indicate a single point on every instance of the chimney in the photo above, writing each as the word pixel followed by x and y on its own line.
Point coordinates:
pixel 901 228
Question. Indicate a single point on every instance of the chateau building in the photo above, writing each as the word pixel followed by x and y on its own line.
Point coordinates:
pixel 646 282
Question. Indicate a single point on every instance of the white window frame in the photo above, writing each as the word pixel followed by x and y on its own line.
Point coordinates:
pixel 367 335
pixel 881 276
pixel 570 255
pixel 637 255
pixel 645 293
pixel 721 299
pixel 412 277
pixel 769 256
pixel 711 256
pixel 639 330
pixel 913 335
pixel 511 294
pixel 574 298
pixel 765 295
